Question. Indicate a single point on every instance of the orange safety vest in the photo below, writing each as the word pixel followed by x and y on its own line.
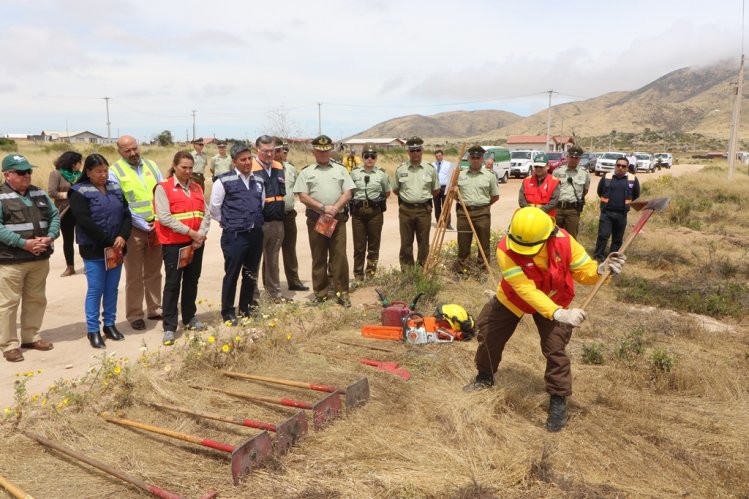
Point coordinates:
pixel 555 282
pixel 189 210
pixel 540 194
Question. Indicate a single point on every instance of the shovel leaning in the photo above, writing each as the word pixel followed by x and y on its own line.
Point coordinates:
pixel 244 458
pixel 322 412
pixel 355 394
pixel 147 487
pixel 648 208
pixel 287 432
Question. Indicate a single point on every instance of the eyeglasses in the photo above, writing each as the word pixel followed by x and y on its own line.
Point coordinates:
pixel 479 156
pixel 369 156
pixel 619 165
pixel 415 150
pixel 21 174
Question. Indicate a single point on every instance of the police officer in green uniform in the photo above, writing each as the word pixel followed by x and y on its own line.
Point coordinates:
pixel 368 204
pixel 478 189
pixel 199 161
pixel 416 185
pixel 288 248
pixel 325 189
pixel 221 162
pixel 574 183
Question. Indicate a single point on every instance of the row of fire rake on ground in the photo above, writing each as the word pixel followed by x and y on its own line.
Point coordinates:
pixel 244 457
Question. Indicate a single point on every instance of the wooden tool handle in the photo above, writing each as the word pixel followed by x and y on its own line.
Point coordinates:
pixel 153 489
pixel 13 489
pixel 285 382
pixel 217 417
pixel 261 398
pixel 205 442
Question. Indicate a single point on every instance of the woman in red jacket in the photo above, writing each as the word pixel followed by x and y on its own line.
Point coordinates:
pixel 182 222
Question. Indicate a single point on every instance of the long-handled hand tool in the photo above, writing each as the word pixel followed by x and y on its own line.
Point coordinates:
pixel 647 209
pixel 355 394
pixel 322 411
pixel 147 487
pixel 287 432
pixel 13 489
pixel 244 458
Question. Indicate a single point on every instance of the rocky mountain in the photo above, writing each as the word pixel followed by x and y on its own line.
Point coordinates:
pixel 457 124
pixel 688 100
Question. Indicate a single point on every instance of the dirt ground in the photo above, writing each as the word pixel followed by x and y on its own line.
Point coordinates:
pixel 64 321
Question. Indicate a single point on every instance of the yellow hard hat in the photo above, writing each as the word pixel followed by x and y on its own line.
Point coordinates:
pixel 529 229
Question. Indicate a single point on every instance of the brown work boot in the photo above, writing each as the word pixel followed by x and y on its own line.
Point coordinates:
pixel 13 355
pixel 38 345
pixel 69 270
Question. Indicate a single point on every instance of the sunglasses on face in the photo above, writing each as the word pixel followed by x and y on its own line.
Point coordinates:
pixel 476 156
pixel 621 166
pixel 415 150
pixel 369 156
pixel 21 174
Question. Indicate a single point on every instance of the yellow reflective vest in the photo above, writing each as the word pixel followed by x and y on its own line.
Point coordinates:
pixel 138 192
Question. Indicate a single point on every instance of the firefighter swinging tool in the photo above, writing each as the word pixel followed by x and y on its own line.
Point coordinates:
pixel 287 433
pixel 322 412
pixel 355 394
pixel 146 487
pixel 244 458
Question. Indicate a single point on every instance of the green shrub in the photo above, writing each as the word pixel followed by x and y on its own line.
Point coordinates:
pixel 8 145
pixel 632 346
pixel 593 353
pixel 661 361
pixel 57 147
pixel 405 285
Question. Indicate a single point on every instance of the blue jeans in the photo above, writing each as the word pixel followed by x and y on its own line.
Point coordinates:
pixel 101 283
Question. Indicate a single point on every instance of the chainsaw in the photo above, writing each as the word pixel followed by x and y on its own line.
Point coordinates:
pixel 415 331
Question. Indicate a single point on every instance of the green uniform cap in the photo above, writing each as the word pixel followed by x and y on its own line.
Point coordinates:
pixel 322 143
pixel 476 150
pixel 575 151
pixel 414 143
pixel 369 149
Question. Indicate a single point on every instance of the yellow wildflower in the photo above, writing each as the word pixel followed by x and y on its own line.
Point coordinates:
pixel 271 323
pixel 65 401
pixel 237 339
pixel 8 411
pixel 39 371
pixel 117 370
pixel 35 397
pixel 225 348
pixel 288 337
pixel 211 339
pixel 167 368
pixel 44 402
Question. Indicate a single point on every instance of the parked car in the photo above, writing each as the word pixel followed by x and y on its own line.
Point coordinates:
pixel 588 161
pixel 645 162
pixel 556 159
pixel 501 156
pixel 606 162
pixel 664 159
pixel 521 161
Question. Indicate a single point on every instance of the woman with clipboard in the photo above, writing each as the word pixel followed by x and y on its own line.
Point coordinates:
pixel 102 227
pixel 182 222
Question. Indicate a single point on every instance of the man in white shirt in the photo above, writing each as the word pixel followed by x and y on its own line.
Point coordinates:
pixel 444 171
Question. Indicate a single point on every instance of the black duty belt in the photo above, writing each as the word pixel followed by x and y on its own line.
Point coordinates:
pixel 366 203
pixel 425 203
pixel 568 204
pixel 472 208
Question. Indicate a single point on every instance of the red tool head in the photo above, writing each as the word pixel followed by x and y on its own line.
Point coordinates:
pixel 250 455
pixel 357 394
pixel 289 432
pixel 325 410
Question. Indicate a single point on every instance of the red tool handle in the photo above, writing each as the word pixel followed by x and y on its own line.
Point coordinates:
pixel 206 442
pixel 285 382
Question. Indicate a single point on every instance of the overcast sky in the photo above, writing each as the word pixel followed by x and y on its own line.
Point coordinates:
pixel 236 63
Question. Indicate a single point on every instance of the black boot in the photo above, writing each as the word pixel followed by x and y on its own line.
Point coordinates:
pixel 112 333
pixel 557 413
pixel 482 382
pixel 96 340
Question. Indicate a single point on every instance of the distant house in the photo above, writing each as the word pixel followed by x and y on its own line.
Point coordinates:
pixel 556 142
pixel 73 137
pixel 16 136
pixel 379 143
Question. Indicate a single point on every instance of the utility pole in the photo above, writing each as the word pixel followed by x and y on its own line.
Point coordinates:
pixel 319 118
pixel 548 121
pixel 193 124
pixel 733 138
pixel 109 132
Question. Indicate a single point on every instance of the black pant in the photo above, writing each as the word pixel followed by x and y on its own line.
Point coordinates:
pixel 242 252
pixel 67 228
pixel 438 202
pixel 187 278
pixel 610 224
